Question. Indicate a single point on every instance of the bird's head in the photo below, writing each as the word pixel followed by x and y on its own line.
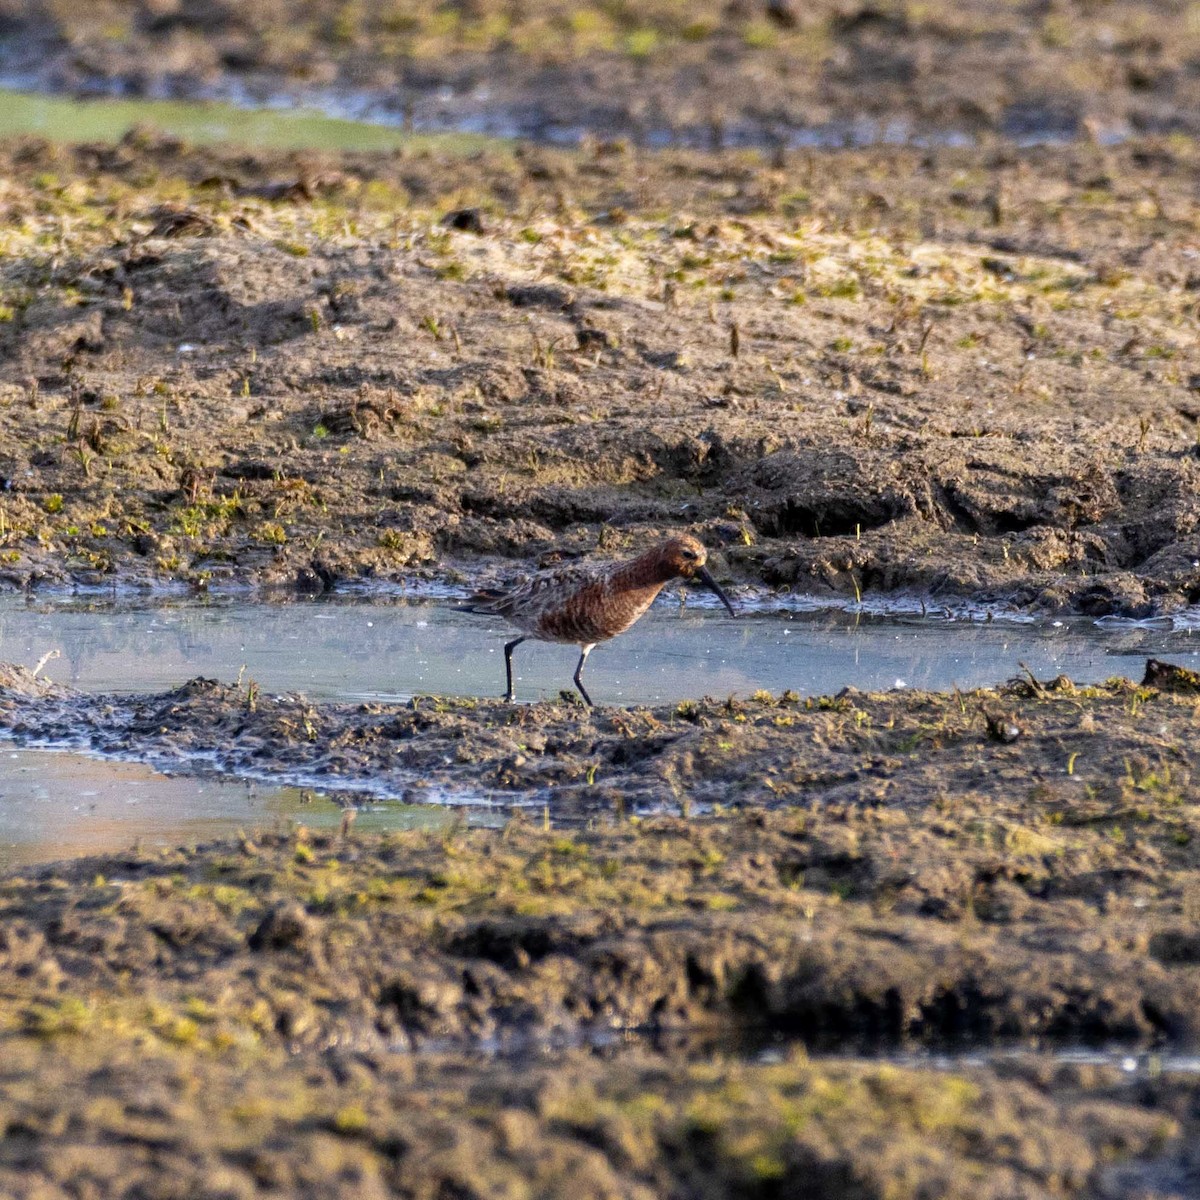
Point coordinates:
pixel 684 556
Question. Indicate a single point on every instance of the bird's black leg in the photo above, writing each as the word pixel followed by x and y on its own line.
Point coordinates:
pixel 510 695
pixel 579 675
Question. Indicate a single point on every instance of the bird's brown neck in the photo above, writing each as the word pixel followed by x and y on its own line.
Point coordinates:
pixel 649 570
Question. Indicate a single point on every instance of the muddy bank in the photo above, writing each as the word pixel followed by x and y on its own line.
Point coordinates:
pixel 184 1123
pixel 857 749
pixel 364 1015
pixel 275 1013
pixel 966 373
pixel 906 866
pixel 704 73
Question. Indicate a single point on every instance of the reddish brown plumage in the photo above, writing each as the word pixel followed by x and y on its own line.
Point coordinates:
pixel 592 603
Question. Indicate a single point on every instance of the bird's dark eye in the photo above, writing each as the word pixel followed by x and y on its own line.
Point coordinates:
pixel 690 555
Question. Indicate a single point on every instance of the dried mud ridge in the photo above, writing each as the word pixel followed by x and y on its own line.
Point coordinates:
pixel 905 868
pixel 957 373
pixel 706 73
pixel 305 1011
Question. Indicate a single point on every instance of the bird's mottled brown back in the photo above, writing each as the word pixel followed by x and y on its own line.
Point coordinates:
pixel 587 604
pixel 596 612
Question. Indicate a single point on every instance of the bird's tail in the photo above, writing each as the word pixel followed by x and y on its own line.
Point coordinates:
pixel 481 602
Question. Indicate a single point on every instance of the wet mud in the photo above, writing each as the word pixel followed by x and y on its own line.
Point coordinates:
pixel 183 1122
pixel 440 1012
pixel 962 373
pixel 989 865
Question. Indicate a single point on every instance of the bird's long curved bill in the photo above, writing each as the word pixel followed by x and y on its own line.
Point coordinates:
pixel 716 587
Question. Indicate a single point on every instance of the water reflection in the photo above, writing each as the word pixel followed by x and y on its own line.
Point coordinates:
pixel 55 804
pixel 392 650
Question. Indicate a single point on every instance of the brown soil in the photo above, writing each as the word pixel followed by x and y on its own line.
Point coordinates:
pixel 964 373
pixel 177 1122
pixel 967 373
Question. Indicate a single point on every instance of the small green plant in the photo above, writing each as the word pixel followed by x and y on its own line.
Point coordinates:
pixel 272 533
pixel 641 43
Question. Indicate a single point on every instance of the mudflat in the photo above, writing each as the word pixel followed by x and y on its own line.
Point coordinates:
pixel 444 1012
pixel 965 372
pixel 708 72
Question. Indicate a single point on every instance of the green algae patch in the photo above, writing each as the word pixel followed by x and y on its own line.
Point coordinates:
pixel 63 119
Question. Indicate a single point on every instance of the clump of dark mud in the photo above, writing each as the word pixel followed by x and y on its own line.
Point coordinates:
pixel 856 748
pixel 960 373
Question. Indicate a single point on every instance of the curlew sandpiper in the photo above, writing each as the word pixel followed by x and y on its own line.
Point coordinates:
pixel 586 604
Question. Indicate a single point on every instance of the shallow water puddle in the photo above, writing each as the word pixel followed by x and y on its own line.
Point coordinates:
pixel 345 649
pixel 264 126
pixel 365 120
pixel 55 804
pixel 1133 1061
